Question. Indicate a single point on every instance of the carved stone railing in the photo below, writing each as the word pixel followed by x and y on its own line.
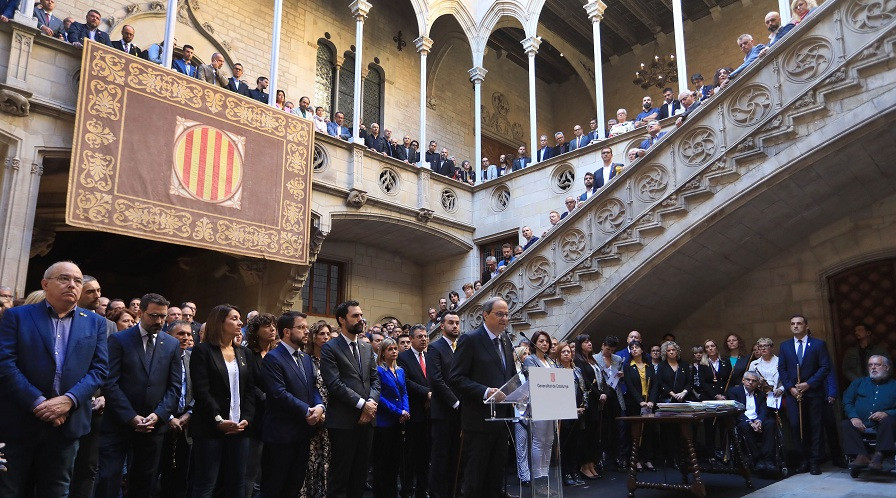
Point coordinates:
pixel 753 130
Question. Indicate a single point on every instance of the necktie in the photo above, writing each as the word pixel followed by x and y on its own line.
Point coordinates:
pixel 422 363
pixel 453 345
pixel 150 347
pixel 497 342
pixel 355 354
pixel 799 352
pixel 297 356
pixel 182 402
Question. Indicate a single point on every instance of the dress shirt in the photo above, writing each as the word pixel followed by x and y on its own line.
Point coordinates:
pixel 143 334
pixel 361 401
pixel 62 327
pixel 796 347
pixel 491 338
pixel 750 411
pixel 864 397
pixel 233 375
pixel 606 171
pixel 421 359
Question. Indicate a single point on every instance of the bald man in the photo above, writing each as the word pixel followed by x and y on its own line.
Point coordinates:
pixel 211 73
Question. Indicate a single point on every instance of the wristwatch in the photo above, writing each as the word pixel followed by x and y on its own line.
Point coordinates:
pixel 218 419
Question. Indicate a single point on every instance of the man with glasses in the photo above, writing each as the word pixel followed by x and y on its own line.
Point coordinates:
pixel 188 314
pixel 6 291
pixel 655 357
pixel 751 53
pixel 46 386
pixel 483 363
pixel 755 425
pixel 235 84
pixel 142 392
pixel 579 140
pixel 570 204
pixel 608 170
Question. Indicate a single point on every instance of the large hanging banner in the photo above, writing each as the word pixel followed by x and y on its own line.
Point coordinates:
pixel 166 157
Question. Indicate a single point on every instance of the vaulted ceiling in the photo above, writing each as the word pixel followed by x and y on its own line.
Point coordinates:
pixel 626 23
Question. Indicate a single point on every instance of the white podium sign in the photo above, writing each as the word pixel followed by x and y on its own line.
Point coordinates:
pixel 552 393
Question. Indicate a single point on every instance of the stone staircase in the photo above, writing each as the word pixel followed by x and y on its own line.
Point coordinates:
pixel 832 76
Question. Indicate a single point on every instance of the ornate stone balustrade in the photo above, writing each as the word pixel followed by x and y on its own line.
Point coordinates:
pixel 830 76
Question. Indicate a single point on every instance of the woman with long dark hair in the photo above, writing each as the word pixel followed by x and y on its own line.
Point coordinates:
pixel 589 449
pixel 223 384
pixel 319 454
pixel 261 337
pixel 571 430
pixel 542 431
pixel 738 357
pixel 640 398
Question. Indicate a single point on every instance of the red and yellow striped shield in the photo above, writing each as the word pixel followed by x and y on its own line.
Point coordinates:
pixel 208 164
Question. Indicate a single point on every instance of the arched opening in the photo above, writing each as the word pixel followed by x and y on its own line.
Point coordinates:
pixel 373 94
pixel 325 76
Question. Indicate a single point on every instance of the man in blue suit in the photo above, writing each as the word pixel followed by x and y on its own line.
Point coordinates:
pixel 185 65
pixel 803 366
pixel 653 135
pixel 90 30
pixel 755 425
pixel 52 359
pixel 8 9
pixel 291 392
pixel 522 160
pixel 444 410
pixel 751 53
pixel 483 363
pixel 142 391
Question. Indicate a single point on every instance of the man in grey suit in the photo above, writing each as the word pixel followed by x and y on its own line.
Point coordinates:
pixel 211 73
pixel 48 23
pixel 349 371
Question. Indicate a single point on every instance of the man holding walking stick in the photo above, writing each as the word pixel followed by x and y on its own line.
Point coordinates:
pixel 803 366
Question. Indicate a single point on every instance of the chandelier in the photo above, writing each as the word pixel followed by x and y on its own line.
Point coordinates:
pixel 659 73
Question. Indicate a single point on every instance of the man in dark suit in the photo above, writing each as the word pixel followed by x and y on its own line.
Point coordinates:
pixel 142 391
pixel 177 441
pixel 544 152
pixel 259 93
pixel 126 44
pixel 561 147
pixel 235 84
pixel 690 103
pixel 417 447
pixel 47 22
pixel 90 30
pixel 53 358
pixel 483 363
pixel 702 91
pixel 607 170
pixel 653 134
pixel 669 105
pixel 336 128
pixel 579 139
pixel 188 314
pixel 374 141
pixel 444 411
pixel 803 366
pixel 590 188
pixel 349 371
pixel 522 160
pixel 755 425
pixel 431 156
pixel 491 269
pixel 288 381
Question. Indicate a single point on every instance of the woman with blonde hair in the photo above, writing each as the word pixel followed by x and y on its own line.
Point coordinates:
pixel 801 8
pixel 767 367
pixel 391 414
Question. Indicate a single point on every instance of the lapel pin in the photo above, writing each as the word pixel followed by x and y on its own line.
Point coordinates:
pixel 82 314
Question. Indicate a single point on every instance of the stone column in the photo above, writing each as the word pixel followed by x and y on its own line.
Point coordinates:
pixel 168 42
pixel 423 44
pixel 530 45
pixel 595 10
pixel 784 10
pixel 275 52
pixel 360 8
pixel 24 14
pixel 678 24
pixel 477 74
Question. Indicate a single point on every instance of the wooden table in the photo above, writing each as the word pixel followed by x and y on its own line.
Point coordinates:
pixel 685 423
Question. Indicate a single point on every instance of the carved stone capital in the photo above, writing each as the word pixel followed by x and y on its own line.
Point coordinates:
pixel 360 9
pixel 423 44
pixel 530 45
pixel 356 198
pixel 424 215
pixel 477 74
pixel 15 163
pixel 37 169
pixel 595 10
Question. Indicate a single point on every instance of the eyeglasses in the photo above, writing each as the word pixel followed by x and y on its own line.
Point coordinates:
pixel 155 316
pixel 500 314
pixel 67 279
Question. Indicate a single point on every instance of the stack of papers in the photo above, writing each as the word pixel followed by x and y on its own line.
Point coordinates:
pixel 704 406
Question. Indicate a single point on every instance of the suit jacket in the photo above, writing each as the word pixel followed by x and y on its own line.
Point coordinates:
pixel 545 153
pixel 77 32
pixel 633 395
pixel 560 149
pixel 578 142
pixel 417 384
pixel 239 87
pixel 439 358
pixel 346 383
pixel 749 59
pixel 335 130
pixel 664 109
pixel 27 369
pixel 693 107
pixel 814 369
pixel 647 142
pixel 521 162
pixel 393 397
pixel 140 386
pixel 377 143
pixel 211 388
pixel 739 394
pixel 476 368
pixel 289 396
pixel 132 50
pixel 584 196
pixel 8 8
pixel 704 91
pixel 259 95
pixel 675 381
pixel 738 368
pixel 783 30
pixel 713 383
pixel 599 175
pixel 182 67
pixel 53 23
pixel 208 74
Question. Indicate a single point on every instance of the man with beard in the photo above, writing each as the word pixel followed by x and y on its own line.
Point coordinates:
pixel 444 411
pixel 288 380
pixel 90 30
pixel 142 391
pixel 348 370
pixel 870 406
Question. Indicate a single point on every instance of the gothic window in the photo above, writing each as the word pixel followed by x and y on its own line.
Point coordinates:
pixel 373 96
pixel 347 87
pixel 323 288
pixel 325 78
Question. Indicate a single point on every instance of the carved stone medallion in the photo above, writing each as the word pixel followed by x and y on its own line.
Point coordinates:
pixel 538 271
pixel 572 244
pixel 509 293
pixel 610 215
pixel 866 16
pixel 651 184
pixel 698 146
pixel 809 59
pixel 750 105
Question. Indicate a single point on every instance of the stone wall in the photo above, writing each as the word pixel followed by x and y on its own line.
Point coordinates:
pixel 760 303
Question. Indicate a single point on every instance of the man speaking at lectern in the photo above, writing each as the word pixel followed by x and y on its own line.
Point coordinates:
pixel 483 362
